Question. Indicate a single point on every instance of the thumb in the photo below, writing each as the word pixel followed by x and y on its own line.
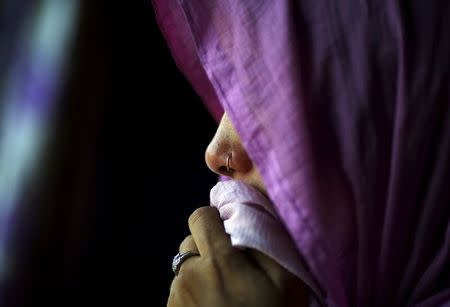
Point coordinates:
pixel 293 286
pixel 273 269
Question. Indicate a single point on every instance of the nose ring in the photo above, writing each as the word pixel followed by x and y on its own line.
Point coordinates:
pixel 228 162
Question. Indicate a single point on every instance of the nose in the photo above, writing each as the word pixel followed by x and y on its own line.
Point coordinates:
pixel 225 154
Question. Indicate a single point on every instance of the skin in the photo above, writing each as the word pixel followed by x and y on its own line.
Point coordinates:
pixel 223 275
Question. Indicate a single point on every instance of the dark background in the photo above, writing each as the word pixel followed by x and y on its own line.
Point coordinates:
pixel 122 173
pixel 155 174
pixel 152 171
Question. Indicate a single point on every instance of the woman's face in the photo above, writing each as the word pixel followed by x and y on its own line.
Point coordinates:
pixel 225 155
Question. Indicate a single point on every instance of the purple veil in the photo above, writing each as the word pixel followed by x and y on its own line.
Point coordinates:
pixel 344 108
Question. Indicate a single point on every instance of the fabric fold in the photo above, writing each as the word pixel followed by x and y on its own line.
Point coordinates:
pixel 251 221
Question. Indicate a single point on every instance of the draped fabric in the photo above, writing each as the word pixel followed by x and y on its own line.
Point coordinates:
pixel 251 222
pixel 344 109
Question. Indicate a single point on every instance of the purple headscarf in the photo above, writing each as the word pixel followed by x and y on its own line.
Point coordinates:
pixel 344 108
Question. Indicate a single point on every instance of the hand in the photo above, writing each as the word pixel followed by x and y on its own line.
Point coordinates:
pixel 226 276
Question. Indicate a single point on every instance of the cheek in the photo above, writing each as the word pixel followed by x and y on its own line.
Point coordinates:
pixel 259 183
pixel 253 177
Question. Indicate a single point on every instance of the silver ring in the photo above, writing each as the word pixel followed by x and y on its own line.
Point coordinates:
pixel 180 258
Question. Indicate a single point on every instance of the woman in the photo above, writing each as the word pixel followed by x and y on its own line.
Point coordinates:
pixel 343 111
pixel 224 275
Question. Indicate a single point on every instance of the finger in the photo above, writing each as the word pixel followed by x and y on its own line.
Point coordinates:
pixel 187 265
pixel 294 289
pixel 208 231
pixel 183 285
pixel 179 295
pixel 188 245
pixel 277 273
pixel 173 300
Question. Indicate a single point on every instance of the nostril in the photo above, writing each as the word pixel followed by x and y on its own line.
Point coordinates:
pixel 225 170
